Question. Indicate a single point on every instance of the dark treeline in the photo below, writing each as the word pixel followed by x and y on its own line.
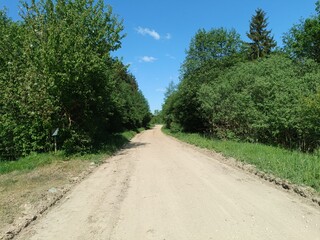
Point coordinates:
pixel 251 91
pixel 56 71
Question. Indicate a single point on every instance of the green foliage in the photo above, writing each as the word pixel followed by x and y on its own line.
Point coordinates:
pixel 215 44
pixel 271 100
pixel 56 71
pixel 262 43
pixel 261 102
pixel 309 114
pixel 157 118
pixel 209 53
pixel 302 40
pixel 168 109
pixel 300 168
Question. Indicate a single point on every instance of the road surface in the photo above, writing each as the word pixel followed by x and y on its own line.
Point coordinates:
pixel 158 188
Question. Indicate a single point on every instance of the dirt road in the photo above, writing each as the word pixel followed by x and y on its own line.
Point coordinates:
pixel 161 189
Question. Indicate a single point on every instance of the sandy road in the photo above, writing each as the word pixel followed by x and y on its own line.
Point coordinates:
pixel 161 189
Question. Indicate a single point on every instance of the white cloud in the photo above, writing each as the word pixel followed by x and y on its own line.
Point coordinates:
pixel 147 31
pixel 147 59
pixel 152 33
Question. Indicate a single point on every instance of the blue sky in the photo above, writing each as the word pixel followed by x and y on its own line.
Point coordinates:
pixel 159 31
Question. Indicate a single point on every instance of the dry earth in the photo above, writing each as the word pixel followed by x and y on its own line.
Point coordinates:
pixel 24 194
pixel 158 188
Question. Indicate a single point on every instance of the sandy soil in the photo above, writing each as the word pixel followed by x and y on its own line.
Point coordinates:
pixel 159 188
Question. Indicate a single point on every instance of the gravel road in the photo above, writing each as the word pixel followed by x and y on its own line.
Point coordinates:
pixel 158 188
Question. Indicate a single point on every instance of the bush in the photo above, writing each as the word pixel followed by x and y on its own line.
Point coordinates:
pixel 271 101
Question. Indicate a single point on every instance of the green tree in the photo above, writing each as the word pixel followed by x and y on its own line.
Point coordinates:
pixel 157 117
pixel 56 70
pixel 262 43
pixel 215 44
pixel 265 101
pixel 209 53
pixel 172 87
pixel 69 43
pixel 10 66
pixel 169 109
pixel 303 39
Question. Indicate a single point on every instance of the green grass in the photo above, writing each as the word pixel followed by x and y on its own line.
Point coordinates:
pixel 30 162
pixel 35 160
pixel 297 167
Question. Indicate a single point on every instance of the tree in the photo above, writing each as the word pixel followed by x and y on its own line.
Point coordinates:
pixel 56 70
pixel 169 109
pixel 170 90
pixel 209 53
pixel 69 42
pixel 215 44
pixel 303 39
pixel 262 43
pixel 272 101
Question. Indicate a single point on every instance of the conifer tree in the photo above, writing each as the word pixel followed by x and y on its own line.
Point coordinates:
pixel 262 43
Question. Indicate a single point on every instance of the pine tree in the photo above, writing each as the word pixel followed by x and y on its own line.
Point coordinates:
pixel 262 43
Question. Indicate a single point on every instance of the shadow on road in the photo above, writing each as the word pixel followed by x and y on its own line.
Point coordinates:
pixel 131 145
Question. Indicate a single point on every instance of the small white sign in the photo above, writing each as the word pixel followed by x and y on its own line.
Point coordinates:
pixel 55 133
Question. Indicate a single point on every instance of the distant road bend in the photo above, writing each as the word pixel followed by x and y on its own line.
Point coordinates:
pixel 161 189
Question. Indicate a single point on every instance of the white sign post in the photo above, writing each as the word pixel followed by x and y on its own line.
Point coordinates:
pixel 54 135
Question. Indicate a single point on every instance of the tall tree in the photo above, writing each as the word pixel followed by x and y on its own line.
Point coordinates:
pixel 262 42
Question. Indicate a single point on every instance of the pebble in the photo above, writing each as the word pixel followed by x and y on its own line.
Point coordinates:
pixel 53 190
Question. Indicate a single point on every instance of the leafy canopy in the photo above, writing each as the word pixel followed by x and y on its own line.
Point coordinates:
pixel 56 71
pixel 303 39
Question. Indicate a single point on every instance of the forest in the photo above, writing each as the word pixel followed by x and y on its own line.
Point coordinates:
pixel 252 90
pixel 57 72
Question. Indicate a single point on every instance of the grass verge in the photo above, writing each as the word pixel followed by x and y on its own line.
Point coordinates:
pixel 24 184
pixel 36 160
pixel 299 168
